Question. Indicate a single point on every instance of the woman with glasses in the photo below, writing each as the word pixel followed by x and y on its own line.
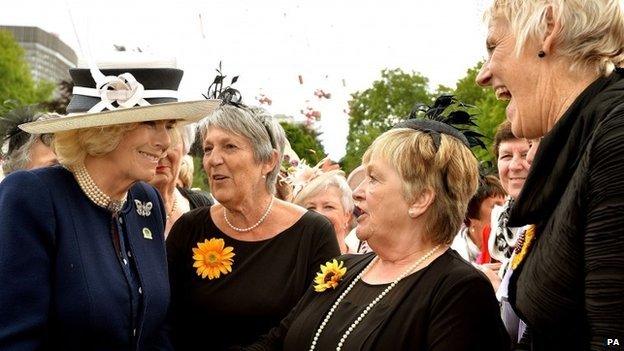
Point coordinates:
pixel 330 195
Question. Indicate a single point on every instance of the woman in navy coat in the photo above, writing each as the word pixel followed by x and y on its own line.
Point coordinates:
pixel 82 256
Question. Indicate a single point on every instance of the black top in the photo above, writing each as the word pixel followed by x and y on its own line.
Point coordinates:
pixel 570 287
pixel 268 277
pixel 448 305
pixel 196 198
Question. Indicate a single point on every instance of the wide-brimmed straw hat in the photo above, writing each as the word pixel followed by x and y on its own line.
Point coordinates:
pixel 124 92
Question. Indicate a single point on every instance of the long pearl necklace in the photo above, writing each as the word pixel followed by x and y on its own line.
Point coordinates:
pixel 370 305
pixel 94 193
pixel 264 216
pixel 174 206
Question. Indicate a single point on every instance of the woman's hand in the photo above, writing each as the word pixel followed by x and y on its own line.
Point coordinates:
pixel 491 272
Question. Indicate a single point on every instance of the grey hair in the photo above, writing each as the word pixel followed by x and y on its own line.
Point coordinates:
pixel 255 124
pixel 188 133
pixel 592 30
pixel 18 159
pixel 333 178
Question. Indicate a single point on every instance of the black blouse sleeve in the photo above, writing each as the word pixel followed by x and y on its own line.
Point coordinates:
pixel 274 339
pixel 196 198
pixel 324 245
pixel 604 236
pixel 466 317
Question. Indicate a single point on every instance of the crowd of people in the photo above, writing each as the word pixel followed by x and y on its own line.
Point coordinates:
pixel 105 245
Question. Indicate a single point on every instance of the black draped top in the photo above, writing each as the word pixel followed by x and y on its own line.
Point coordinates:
pixel 570 287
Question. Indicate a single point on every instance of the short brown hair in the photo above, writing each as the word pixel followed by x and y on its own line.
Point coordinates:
pixel 503 133
pixel 450 171
pixel 489 186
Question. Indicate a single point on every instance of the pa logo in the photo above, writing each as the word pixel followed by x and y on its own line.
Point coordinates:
pixel 613 342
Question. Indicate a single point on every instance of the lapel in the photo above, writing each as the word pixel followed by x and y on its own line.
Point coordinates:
pixel 561 149
pixel 146 237
pixel 145 230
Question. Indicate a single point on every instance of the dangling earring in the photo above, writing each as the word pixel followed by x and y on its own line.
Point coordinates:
pixel 541 54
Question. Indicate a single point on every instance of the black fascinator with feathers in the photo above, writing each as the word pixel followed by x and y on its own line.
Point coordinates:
pixel 433 120
pixel 227 94
pixel 9 126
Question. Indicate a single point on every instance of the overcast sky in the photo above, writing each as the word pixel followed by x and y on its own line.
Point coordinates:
pixel 337 46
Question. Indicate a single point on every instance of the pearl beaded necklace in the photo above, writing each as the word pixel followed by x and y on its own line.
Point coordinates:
pixel 174 206
pixel 264 216
pixel 370 305
pixel 94 193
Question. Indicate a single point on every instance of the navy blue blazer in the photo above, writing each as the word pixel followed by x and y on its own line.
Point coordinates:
pixel 62 286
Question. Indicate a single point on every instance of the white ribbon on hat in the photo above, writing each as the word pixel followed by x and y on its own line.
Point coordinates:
pixel 124 89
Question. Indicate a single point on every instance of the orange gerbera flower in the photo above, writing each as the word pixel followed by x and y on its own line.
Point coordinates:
pixel 330 275
pixel 212 258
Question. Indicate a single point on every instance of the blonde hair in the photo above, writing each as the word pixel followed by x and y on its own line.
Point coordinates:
pixel 186 171
pixel 335 178
pixel 451 172
pixel 592 31
pixel 188 132
pixel 73 146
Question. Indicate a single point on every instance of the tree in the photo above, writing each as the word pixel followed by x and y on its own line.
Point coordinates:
pixel 490 111
pixel 304 141
pixel 377 109
pixel 200 180
pixel 16 82
pixel 60 103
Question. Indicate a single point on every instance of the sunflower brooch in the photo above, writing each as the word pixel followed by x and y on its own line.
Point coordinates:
pixel 213 258
pixel 330 275
pixel 522 246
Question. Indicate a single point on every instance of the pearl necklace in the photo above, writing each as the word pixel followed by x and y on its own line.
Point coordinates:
pixel 264 216
pixel 370 305
pixel 174 206
pixel 94 193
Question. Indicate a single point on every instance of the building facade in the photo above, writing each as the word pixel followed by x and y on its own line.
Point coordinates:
pixel 48 56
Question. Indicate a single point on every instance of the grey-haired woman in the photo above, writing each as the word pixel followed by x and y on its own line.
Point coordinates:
pixel 238 267
pixel 559 63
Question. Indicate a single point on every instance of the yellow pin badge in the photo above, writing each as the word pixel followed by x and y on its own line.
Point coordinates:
pixel 147 234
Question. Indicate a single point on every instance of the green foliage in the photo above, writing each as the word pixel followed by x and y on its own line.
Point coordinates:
pixel 490 111
pixel 16 82
pixel 377 109
pixel 390 99
pixel 200 180
pixel 304 141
